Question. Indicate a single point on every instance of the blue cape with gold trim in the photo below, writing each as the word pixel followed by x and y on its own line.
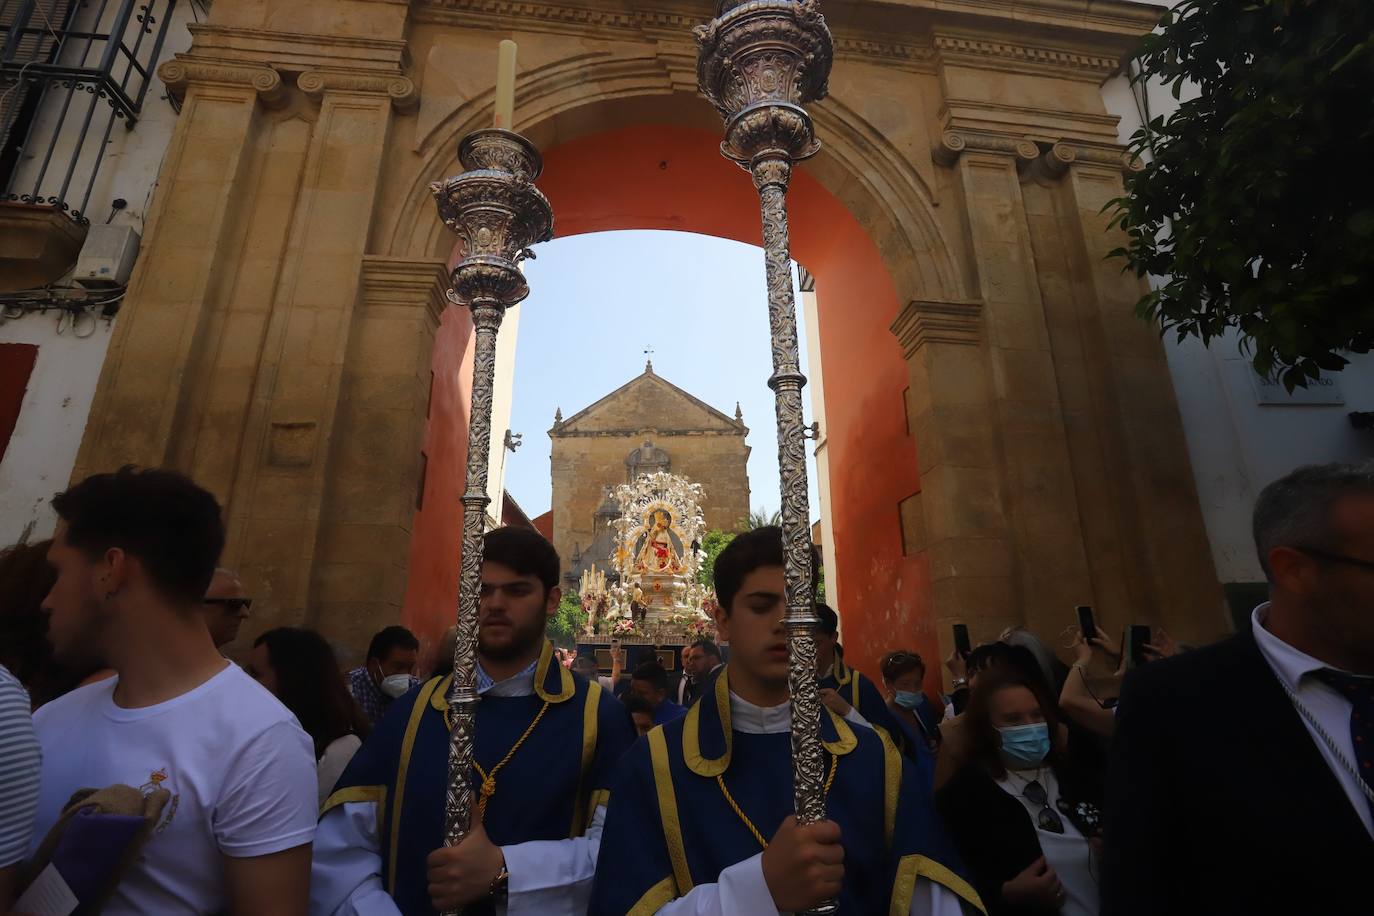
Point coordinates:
pixel 670 826
pixel 548 789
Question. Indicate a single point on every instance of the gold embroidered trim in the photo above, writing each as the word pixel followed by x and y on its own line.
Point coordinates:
pixel 590 709
pixel 667 810
pixel 567 687
pixel 417 713
pixel 691 735
pixel 600 798
pixel 654 899
pixel 892 784
pixel 845 740
pixel 913 866
pixel 375 794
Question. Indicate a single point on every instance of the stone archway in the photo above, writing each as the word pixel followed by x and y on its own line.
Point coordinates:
pixel 967 142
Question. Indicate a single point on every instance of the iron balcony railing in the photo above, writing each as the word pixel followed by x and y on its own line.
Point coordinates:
pixel 69 69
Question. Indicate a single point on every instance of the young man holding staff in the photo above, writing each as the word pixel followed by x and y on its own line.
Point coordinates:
pixel 701 818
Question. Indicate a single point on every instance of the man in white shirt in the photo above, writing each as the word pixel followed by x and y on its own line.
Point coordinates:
pixel 134 553
pixel 1253 757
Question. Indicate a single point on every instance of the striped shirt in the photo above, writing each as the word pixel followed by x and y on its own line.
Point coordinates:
pixel 20 766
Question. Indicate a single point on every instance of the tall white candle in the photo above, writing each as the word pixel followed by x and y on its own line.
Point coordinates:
pixel 505 85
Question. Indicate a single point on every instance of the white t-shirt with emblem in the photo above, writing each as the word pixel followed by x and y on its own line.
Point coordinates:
pixel 240 769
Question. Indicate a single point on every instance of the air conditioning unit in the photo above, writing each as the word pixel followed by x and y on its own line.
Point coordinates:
pixel 107 257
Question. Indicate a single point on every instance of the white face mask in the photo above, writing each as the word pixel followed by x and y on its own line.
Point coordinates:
pixel 396 685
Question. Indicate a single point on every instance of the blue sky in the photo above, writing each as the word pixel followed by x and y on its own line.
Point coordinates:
pixel 597 301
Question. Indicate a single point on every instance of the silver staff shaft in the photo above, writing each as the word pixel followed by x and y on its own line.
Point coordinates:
pixel 498 213
pixel 759 63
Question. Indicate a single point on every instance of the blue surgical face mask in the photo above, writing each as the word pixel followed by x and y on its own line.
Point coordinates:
pixel 908 699
pixel 1025 746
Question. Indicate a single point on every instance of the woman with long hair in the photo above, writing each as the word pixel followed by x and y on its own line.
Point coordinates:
pixel 300 669
pixel 1024 820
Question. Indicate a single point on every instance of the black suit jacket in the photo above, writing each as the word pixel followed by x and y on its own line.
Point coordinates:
pixel 995 836
pixel 1219 801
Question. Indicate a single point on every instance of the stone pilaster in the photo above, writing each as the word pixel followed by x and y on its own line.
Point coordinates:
pixel 159 335
pixel 968 540
pixel 1166 557
pixel 374 469
pixel 281 504
pixel 1039 497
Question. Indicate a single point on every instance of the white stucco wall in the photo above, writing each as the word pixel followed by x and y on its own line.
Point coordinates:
pixel 1238 444
pixel 132 157
pixel 502 396
pixel 816 387
pixel 42 451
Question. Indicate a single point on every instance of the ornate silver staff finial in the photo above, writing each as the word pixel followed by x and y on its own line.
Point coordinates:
pixel 498 213
pixel 759 63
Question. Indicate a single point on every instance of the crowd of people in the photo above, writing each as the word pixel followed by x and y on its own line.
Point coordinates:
pixel 141 771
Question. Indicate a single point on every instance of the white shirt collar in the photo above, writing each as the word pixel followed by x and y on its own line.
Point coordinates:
pixel 517 685
pixel 759 720
pixel 1290 664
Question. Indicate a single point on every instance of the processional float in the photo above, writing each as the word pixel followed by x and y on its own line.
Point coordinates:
pixel 759 62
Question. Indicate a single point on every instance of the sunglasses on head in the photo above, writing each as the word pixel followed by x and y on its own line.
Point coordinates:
pixel 231 604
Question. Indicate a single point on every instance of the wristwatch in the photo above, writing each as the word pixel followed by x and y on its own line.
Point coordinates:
pixel 959 682
pixel 500 885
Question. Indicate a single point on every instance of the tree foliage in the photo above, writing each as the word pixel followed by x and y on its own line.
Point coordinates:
pixel 1257 207
pixel 712 544
pixel 565 625
pixel 760 518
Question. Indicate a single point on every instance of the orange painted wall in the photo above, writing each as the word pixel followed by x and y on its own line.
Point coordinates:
pixel 437 533
pixel 661 177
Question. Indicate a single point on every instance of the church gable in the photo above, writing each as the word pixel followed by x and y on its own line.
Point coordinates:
pixel 648 402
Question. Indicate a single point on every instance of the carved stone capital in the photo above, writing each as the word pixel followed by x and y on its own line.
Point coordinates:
pixel 1057 159
pixel 926 321
pixel 181 72
pixel 406 283
pixel 954 143
pixel 398 87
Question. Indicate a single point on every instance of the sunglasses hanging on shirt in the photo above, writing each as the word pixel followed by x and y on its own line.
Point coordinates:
pixel 1048 818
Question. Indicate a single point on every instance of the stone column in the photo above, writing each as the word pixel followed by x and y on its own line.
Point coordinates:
pixel 280 505
pixel 1039 498
pixel 156 340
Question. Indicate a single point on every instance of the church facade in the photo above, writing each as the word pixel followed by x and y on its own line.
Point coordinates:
pixel 646 425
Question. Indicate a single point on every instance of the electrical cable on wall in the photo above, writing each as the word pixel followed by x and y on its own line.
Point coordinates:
pixel 78 309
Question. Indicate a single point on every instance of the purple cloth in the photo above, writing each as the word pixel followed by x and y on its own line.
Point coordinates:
pixel 91 847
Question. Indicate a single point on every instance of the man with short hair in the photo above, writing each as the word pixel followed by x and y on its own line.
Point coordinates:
pixel 387 672
pixel 650 683
pixel 544 745
pixel 134 554
pixel 844 689
pixel 225 606
pixel 699 660
pixel 641 713
pixel 701 815
pixel 1252 757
